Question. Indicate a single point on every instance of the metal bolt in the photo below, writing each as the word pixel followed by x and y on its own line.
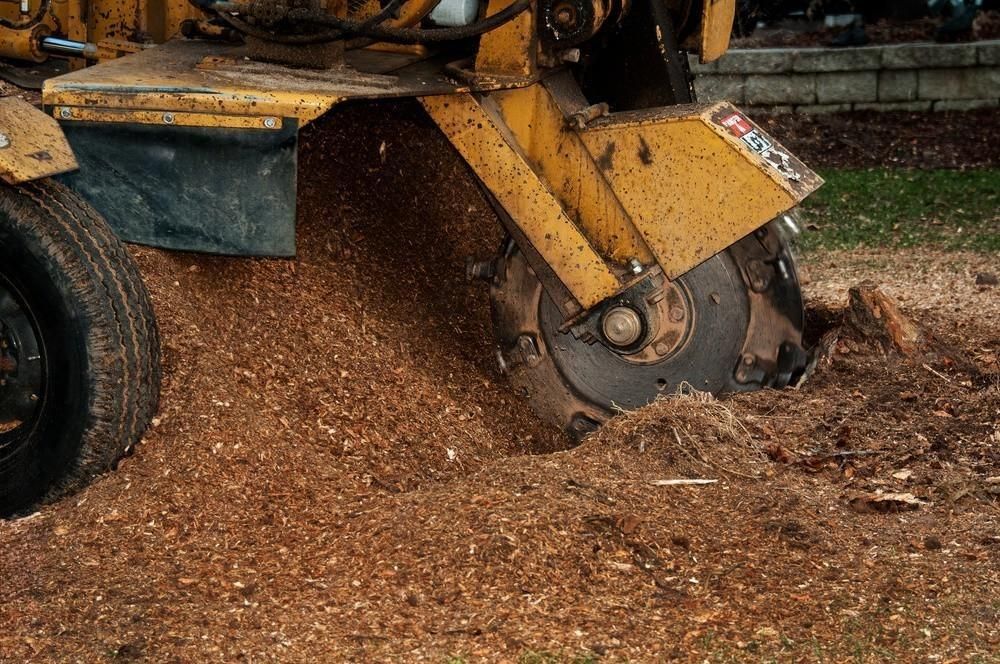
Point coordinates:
pixel 655 296
pixel 635 266
pixel 502 361
pixel 65 113
pixel 676 314
pixel 748 360
pixel 661 348
pixel 622 326
pixel 527 349
pixel 480 270
pixel 168 118
pixel 270 123
pixel 570 55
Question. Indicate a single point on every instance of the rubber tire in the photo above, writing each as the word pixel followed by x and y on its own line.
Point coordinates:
pixel 95 320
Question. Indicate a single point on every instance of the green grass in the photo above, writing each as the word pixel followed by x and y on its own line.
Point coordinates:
pixel 904 208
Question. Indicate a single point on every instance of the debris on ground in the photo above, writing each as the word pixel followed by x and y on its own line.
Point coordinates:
pixel 340 471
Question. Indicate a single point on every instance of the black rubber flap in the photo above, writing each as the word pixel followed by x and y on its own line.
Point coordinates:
pixel 205 189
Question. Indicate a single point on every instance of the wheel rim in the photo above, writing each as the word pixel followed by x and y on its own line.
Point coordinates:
pixel 22 369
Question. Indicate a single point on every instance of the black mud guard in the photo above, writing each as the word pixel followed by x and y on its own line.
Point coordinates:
pixel 204 189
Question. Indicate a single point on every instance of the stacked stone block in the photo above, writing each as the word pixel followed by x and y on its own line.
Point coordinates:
pixel 908 77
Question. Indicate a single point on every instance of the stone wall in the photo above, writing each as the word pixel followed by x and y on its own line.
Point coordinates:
pixel 907 77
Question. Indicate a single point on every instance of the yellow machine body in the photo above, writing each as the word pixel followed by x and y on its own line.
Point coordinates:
pixel 666 187
pixel 642 252
pixel 594 193
pixel 32 146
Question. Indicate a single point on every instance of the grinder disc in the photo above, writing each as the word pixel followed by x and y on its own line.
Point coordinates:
pixel 733 323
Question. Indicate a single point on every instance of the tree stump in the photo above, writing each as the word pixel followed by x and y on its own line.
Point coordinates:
pixel 873 316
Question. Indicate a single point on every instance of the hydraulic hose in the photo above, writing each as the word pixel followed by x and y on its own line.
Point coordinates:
pixel 36 18
pixel 345 27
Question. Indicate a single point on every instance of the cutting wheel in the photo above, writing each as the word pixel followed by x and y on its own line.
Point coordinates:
pixel 733 323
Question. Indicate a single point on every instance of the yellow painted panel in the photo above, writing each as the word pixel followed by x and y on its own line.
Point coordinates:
pixel 201 76
pixel 179 119
pixel 33 144
pixel 504 170
pixel 512 49
pixel 716 27
pixel 561 159
pixel 691 188
pixel 168 78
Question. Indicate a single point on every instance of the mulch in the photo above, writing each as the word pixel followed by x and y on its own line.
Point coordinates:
pixel 339 471
pixel 953 140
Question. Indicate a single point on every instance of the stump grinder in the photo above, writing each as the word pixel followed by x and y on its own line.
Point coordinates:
pixel 645 252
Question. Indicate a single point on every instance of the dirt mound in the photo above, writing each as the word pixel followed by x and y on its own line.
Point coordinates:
pixel 370 344
pixel 338 471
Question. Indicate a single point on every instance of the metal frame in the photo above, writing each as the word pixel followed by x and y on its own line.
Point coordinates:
pixel 601 197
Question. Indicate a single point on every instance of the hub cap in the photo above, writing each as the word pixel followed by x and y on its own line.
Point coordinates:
pixel 622 326
pixel 22 369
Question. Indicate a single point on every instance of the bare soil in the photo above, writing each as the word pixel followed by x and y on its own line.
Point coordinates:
pixel 338 471
pixel 954 140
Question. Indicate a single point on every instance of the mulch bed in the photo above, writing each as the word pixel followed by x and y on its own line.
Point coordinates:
pixel 958 140
pixel 338 471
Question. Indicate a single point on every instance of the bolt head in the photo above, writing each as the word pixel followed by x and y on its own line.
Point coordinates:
pixel 65 113
pixel 622 326
pixel 168 118
pixel 270 123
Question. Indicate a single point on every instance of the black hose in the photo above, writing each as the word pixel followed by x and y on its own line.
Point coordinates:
pixel 37 18
pixel 415 35
pixel 383 14
pixel 344 27
pixel 267 35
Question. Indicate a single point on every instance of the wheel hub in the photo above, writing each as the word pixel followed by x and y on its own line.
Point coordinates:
pixel 622 326
pixel 656 337
pixel 21 370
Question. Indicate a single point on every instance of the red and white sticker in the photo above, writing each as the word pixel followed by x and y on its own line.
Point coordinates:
pixel 757 141
pixel 737 125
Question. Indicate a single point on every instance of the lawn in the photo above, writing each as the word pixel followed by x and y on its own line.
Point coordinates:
pixel 885 207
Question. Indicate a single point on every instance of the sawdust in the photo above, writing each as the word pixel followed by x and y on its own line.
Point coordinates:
pixel 339 471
